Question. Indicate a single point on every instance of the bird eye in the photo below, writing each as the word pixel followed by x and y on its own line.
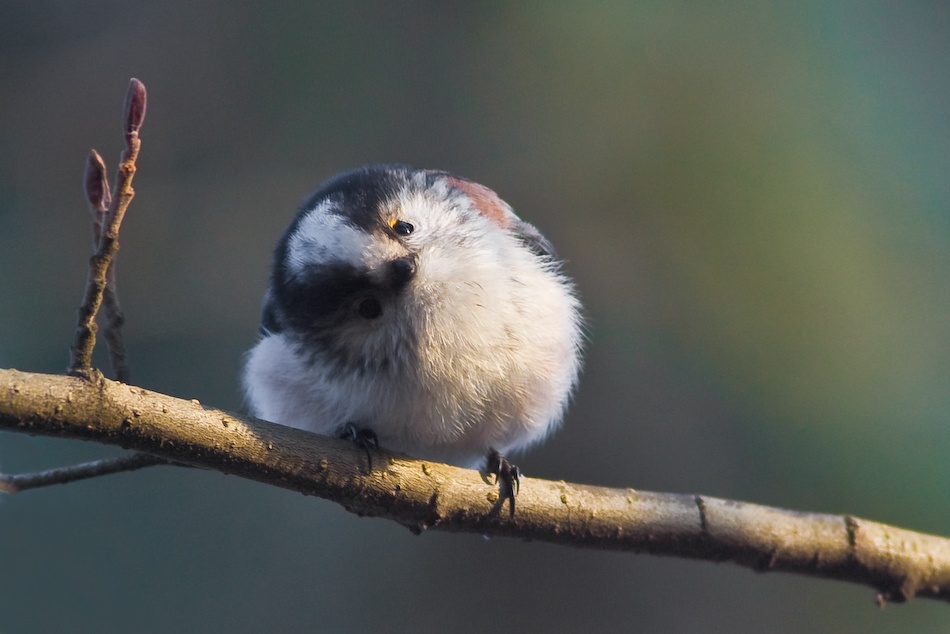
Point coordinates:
pixel 403 228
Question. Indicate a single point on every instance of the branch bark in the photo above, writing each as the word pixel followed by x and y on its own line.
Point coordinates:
pixel 898 563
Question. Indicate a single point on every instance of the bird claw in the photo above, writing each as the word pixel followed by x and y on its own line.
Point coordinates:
pixel 362 436
pixel 507 476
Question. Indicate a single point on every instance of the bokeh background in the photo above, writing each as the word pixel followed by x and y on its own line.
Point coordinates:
pixel 754 200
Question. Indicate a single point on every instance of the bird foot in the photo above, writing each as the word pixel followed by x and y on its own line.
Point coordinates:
pixel 362 436
pixel 507 476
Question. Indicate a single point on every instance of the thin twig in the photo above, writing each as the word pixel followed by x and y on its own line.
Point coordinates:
pixel 64 475
pixel 421 495
pixel 99 263
pixel 114 320
pixel 96 187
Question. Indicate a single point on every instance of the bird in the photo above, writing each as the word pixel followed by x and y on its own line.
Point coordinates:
pixel 413 309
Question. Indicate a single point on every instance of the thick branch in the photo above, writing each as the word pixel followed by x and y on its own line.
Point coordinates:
pixel 421 495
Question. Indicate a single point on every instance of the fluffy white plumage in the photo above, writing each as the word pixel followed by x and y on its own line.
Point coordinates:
pixel 416 304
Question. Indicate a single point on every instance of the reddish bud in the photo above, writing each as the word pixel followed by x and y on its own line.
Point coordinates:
pixel 134 106
pixel 95 183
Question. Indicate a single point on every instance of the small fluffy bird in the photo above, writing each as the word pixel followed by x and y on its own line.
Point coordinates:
pixel 416 307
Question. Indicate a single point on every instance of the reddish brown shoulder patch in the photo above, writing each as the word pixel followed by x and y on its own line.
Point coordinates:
pixel 487 202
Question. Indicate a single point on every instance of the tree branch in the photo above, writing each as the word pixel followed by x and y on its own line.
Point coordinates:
pixel 422 495
pixel 96 188
pixel 106 227
pixel 73 473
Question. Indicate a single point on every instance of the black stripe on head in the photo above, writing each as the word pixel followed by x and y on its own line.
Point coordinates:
pixel 360 194
pixel 309 302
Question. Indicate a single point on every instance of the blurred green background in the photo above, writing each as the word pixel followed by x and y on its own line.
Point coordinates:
pixel 753 197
